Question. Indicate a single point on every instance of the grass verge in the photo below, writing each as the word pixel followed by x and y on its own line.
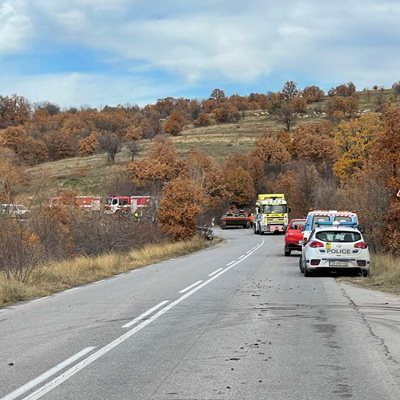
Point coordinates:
pixel 62 275
pixel 385 274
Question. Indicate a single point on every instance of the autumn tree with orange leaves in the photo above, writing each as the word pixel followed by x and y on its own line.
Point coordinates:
pixel 355 139
pixel 271 151
pixel 158 167
pixel 174 123
pixel 240 186
pixel 180 207
pixel 313 94
pixel 10 177
pixel 29 150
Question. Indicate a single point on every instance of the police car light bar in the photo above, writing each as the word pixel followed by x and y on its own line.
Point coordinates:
pixel 336 223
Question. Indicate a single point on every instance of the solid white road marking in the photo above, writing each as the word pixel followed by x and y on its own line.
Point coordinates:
pixel 239 258
pixel 229 264
pixel 215 272
pixel 189 287
pixel 28 386
pixel 93 357
pixel 144 315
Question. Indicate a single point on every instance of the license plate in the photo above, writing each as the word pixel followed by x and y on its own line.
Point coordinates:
pixel 338 263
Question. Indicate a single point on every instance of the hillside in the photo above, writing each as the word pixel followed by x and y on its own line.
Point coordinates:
pixel 90 175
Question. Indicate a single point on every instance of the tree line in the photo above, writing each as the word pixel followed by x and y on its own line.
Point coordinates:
pixel 43 132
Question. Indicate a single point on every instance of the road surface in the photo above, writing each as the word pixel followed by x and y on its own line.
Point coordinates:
pixel 235 321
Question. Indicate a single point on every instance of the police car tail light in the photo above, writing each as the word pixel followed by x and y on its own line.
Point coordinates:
pixel 314 244
pixel 361 245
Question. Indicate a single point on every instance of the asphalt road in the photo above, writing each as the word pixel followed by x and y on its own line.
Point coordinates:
pixel 235 321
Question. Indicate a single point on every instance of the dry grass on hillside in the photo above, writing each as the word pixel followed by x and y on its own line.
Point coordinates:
pixel 89 175
pixel 66 274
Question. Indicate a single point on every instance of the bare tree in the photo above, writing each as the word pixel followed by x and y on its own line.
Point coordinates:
pixel 134 149
pixel 287 115
pixel 112 144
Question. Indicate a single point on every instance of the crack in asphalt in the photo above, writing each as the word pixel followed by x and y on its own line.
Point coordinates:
pixel 379 339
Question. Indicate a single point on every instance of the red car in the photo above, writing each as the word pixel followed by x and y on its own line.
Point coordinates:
pixel 293 235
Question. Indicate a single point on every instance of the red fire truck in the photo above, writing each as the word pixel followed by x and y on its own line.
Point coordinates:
pixel 85 203
pixel 126 204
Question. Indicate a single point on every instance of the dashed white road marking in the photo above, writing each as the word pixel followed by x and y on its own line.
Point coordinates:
pixel 232 262
pixel 215 272
pixel 41 378
pixel 189 287
pixel 145 314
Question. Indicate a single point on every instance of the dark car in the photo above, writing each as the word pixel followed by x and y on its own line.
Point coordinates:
pixel 293 235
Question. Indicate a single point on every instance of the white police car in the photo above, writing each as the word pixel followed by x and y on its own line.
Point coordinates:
pixel 336 246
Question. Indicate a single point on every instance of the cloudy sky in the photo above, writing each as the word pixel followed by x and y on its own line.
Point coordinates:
pixel 98 52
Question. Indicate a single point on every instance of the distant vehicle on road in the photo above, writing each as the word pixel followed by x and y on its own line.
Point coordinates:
pixel 17 211
pixel 235 218
pixel 271 214
pixel 337 246
pixel 294 235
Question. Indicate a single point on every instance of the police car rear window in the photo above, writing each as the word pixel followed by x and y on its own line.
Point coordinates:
pixel 338 236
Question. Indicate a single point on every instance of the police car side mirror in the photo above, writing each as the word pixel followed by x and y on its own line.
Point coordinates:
pixel 361 229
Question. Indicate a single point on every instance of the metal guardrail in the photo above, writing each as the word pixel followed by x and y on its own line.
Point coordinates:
pixel 206 232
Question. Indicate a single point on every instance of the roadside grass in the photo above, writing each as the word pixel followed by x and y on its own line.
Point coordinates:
pixel 55 277
pixel 385 274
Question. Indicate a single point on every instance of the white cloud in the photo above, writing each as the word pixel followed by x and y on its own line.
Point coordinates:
pixel 324 42
pixel 78 89
pixel 225 41
pixel 15 27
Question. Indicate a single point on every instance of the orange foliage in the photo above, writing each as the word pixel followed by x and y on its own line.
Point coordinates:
pixel 240 186
pixel 312 147
pixel 89 145
pixel 313 94
pixel 180 207
pixel 271 151
pixel 28 149
pixel 175 123
pixel 386 151
pixel 10 178
pixel 340 107
pixel 163 150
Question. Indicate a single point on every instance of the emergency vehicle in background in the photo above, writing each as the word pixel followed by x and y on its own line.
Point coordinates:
pixel 134 205
pixel 234 218
pixel 85 203
pixel 313 217
pixel 271 214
